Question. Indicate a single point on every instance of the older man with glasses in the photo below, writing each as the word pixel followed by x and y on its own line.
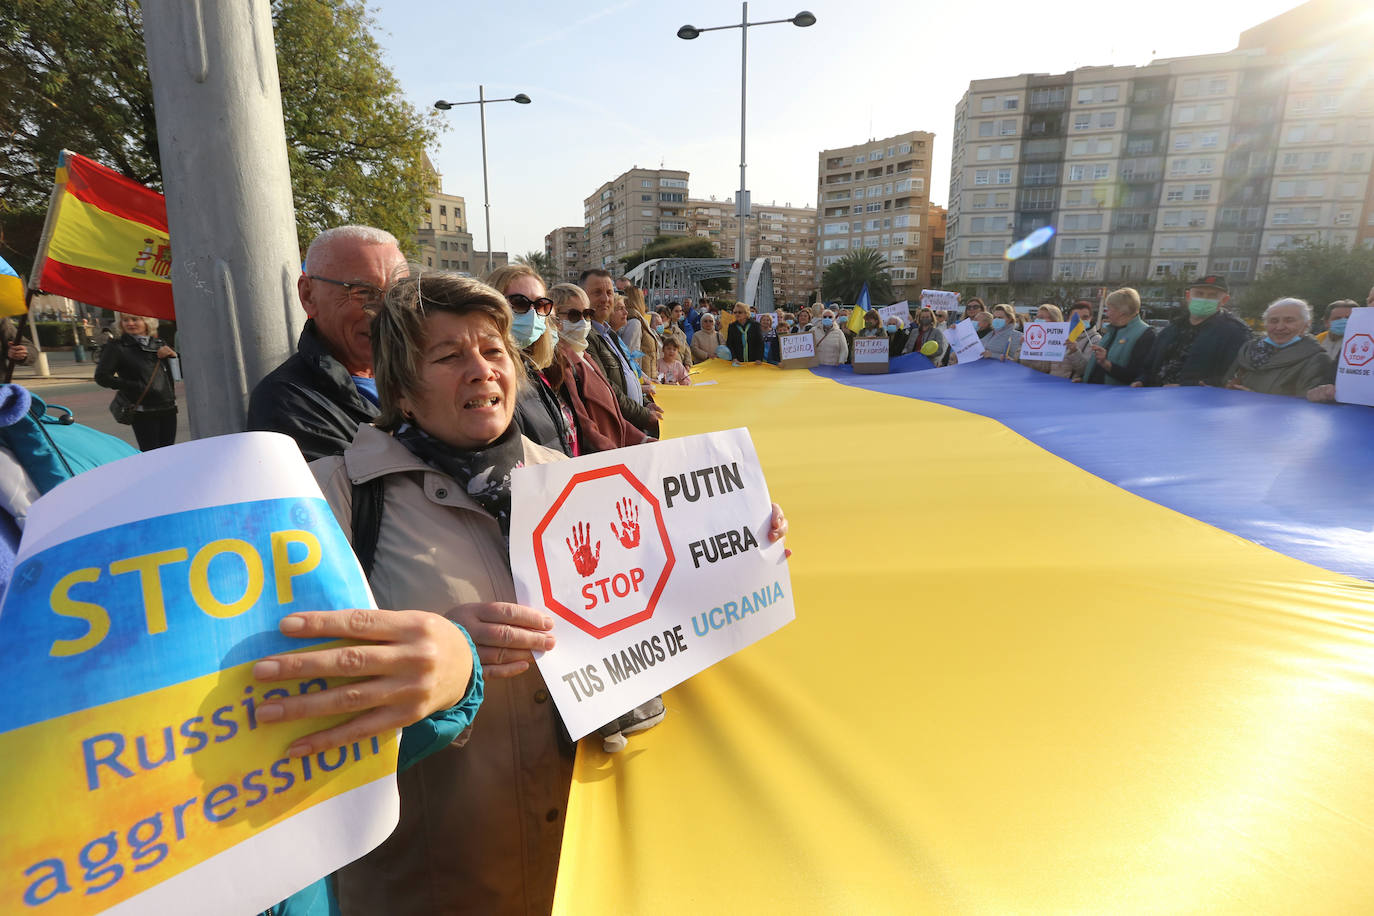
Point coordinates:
pixel 323 392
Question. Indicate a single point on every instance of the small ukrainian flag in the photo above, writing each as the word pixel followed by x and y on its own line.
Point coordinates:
pixel 11 291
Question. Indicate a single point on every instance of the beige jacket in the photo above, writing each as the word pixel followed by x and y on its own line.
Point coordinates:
pixel 831 346
pixel 481 824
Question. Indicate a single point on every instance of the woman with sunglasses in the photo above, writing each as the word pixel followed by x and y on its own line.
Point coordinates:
pixel 580 381
pixel 539 412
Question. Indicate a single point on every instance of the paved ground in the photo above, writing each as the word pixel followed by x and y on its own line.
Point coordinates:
pixel 72 385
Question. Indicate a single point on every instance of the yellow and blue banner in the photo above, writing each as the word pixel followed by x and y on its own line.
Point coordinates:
pixel 856 314
pixel 1108 650
pixel 11 291
pixel 106 241
pixel 132 763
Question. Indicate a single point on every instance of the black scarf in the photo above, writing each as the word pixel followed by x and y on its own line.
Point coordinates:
pixel 484 472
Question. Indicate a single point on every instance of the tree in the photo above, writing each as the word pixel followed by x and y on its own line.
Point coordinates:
pixel 1320 274
pixel 670 246
pixel 541 264
pixel 845 279
pixel 74 75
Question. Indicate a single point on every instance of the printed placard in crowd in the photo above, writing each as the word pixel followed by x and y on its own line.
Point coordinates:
pixel 135 774
pixel 899 310
pixel 1045 340
pixel 964 341
pixel 870 355
pixel 797 351
pixel 1355 369
pixel 938 299
pixel 654 562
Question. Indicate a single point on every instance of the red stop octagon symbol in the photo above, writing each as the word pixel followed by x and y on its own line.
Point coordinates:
pixel 1359 349
pixel 1035 336
pixel 602 552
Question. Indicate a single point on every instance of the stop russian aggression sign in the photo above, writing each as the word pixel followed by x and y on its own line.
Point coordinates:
pixel 655 563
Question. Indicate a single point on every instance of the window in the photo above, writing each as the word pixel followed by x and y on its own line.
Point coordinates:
pixel 1186 113
pixel 645 198
pixel 1082 121
pixel 1085 96
pixel 1183 141
pixel 1037 199
pixel 987 104
pixel 1080 147
pixel 1202 192
pixel 985 128
pixel 984 153
pixel 1011 103
pixel 1189 88
pixel 1101 171
pixel 672 183
pixel 646 212
pixel 1004 176
pixel 1216 86
pixel 1110 93
pixel 1106 119
pixel 1007 127
pixel 1174 194
pixel 901 221
pixel 1209 139
pixel 1006 151
pixel 1204 166
pixel 1179 166
pixel 1210 112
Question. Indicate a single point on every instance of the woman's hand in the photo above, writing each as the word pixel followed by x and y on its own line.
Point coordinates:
pixel 1322 394
pixel 778 528
pixel 414 663
pixel 165 352
pixel 506 634
pixel 1235 386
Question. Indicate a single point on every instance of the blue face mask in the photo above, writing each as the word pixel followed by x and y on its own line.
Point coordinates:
pixel 892 329
pixel 1290 342
pixel 827 322
pixel 999 323
pixel 1338 327
pixel 527 328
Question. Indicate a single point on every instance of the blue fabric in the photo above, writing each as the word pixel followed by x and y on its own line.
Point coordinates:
pixel 49 448
pixel 367 387
pixel 1281 472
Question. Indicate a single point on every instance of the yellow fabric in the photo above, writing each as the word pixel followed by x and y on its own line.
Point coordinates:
pixel 856 318
pixel 979 709
pixel 89 237
pixel 11 295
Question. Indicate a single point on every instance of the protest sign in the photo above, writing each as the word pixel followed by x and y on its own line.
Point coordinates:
pixel 899 310
pixel 938 299
pixel 1045 340
pixel 135 773
pixel 797 351
pixel 1355 369
pixel 964 341
pixel 870 355
pixel 655 563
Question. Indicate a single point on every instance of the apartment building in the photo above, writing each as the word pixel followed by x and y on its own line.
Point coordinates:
pixel 936 217
pixel 630 211
pixel 1184 167
pixel 443 240
pixel 781 232
pixel 566 249
pixel 875 195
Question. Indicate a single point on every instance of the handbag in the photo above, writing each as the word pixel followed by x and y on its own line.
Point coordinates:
pixel 123 409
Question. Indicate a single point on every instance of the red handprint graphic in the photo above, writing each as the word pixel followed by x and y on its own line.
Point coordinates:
pixel 628 535
pixel 581 549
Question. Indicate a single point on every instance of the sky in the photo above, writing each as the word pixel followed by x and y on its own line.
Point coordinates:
pixel 613 87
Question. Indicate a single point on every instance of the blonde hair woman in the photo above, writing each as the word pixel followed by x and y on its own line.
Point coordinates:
pixel 539 413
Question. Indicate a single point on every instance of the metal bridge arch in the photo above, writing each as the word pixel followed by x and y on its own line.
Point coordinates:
pixel 666 279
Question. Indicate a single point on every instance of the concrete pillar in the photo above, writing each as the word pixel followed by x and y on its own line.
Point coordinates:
pixel 235 258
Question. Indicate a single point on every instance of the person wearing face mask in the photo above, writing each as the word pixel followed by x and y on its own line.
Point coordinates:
pixel 706 341
pixel 1287 360
pixel 1198 347
pixel 1333 338
pixel 744 337
pixel 873 325
pixel 896 337
pixel 1063 368
pixel 540 414
pixel 772 351
pixel 927 330
pixel 582 383
pixel 831 347
pixel 1005 340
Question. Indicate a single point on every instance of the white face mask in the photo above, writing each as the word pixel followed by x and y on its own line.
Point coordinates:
pixel 574 333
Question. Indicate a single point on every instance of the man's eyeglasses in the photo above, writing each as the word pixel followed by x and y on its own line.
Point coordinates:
pixel 521 304
pixel 576 315
pixel 358 293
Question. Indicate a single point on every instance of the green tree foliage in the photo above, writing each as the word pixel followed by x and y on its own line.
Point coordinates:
pixel 541 264
pixel 845 279
pixel 668 246
pixel 73 74
pixel 1320 274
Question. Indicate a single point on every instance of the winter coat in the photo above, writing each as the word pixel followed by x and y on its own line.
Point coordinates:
pixel 539 415
pixel 1218 340
pixel 126 366
pixel 600 424
pixel 311 398
pixel 736 338
pixel 482 823
pixel 831 347
pixel 1004 342
pixel 705 344
pixel 599 349
pixel 915 340
pixel 1294 370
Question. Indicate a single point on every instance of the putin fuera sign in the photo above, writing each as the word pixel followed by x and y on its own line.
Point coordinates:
pixel 603 580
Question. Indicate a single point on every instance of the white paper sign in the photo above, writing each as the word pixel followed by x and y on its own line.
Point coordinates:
pixel 899 310
pixel 938 299
pixel 1355 370
pixel 654 562
pixel 797 346
pixel 1045 340
pixel 964 341
pixel 870 349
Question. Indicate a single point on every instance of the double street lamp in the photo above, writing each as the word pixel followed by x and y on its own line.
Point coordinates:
pixel 481 102
pixel 687 33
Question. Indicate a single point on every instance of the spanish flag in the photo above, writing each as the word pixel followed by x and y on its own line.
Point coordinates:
pixel 856 314
pixel 105 242
pixel 11 291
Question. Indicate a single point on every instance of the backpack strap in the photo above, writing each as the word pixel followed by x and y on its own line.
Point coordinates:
pixel 368 499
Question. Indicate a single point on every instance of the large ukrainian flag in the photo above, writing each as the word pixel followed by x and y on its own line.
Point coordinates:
pixel 1067 649
pixel 106 242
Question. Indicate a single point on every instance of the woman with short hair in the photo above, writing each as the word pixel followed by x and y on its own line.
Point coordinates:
pixel 1004 342
pixel 580 381
pixel 1124 351
pixel 1287 360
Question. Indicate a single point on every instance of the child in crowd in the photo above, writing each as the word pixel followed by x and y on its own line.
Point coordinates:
pixel 671 371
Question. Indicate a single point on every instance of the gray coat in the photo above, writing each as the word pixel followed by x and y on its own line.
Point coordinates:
pixel 1294 370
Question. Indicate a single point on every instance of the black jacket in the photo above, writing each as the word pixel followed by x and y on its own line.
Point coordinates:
pixel 539 416
pixel 735 341
pixel 600 350
pixel 311 398
pixel 126 366
pixel 1218 341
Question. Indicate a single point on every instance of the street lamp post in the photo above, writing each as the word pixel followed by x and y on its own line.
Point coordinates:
pixel 481 102
pixel 689 32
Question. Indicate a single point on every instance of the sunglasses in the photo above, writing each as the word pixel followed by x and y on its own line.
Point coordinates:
pixel 575 315
pixel 521 304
